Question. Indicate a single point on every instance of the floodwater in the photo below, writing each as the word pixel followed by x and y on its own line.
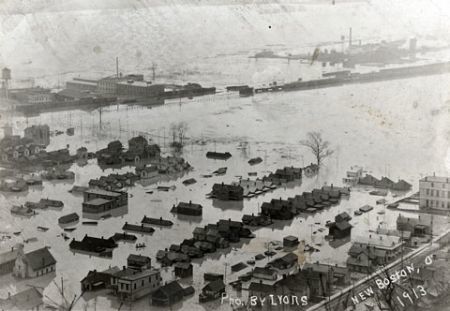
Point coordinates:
pixel 398 129
pixel 380 130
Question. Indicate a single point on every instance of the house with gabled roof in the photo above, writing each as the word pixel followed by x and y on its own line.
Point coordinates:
pixel 34 264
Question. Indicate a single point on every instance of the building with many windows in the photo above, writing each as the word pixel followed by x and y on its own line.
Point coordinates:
pixel 434 192
pixel 133 284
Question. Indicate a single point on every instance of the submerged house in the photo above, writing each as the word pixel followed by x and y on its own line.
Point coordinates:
pixel 95 280
pixel 227 192
pixel 168 294
pixel 34 264
pixel 183 269
pixel 8 260
pixel 340 230
pixel 190 209
pixel 139 262
pixel 279 209
pixel 98 246
pixel 147 172
pixel 98 200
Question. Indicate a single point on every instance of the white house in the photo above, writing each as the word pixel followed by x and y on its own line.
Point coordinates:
pixel 34 264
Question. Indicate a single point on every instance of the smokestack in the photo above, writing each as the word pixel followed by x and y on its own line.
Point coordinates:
pixel 350 37
pixel 117 67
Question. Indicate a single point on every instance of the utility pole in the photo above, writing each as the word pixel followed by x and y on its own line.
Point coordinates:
pixel 153 68
pixel 225 273
pixel 117 67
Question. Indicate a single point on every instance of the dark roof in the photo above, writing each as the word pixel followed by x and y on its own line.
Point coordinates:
pixel 8 256
pixel 183 265
pixel 25 300
pixel 265 271
pixel 74 93
pixel 169 290
pixel 40 258
pixel 291 238
pixel 291 257
pixel 139 258
pixel 343 225
pixel 342 216
pixel 261 287
pixel 215 286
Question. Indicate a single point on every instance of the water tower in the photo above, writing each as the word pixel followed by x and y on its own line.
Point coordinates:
pixel 6 76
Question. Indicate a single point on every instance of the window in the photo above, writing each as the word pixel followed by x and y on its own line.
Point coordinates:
pixel 428 191
pixel 432 192
pixel 134 285
pixel 142 283
pixel 437 193
pixel 432 185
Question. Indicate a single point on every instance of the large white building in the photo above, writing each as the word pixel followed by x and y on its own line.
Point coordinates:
pixel 434 192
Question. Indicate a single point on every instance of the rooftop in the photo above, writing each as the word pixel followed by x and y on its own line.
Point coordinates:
pixel 40 258
pixel 103 192
pixel 131 274
pixel 436 179
pixel 381 241
pixel 97 201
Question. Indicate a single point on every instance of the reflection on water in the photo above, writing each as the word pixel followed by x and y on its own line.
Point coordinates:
pixel 115 212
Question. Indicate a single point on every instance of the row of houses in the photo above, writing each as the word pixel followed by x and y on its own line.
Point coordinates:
pixel 114 181
pixel 384 183
pixel 138 149
pixel 309 202
pixel 206 239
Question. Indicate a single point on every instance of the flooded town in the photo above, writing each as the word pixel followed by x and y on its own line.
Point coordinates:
pixel 242 155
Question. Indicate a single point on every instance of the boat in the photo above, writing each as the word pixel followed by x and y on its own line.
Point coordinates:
pixel 69 229
pixel 381 212
pixel 189 181
pixel 165 188
pixel 218 155
pixel 220 171
pixel 252 173
pixel 35 205
pixel 17 233
pixel 358 213
pixel 93 223
pixel 140 245
pixel 255 161
pixel 66 219
pixel 40 228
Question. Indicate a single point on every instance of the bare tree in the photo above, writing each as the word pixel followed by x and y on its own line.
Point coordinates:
pixel 178 130
pixel 319 147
